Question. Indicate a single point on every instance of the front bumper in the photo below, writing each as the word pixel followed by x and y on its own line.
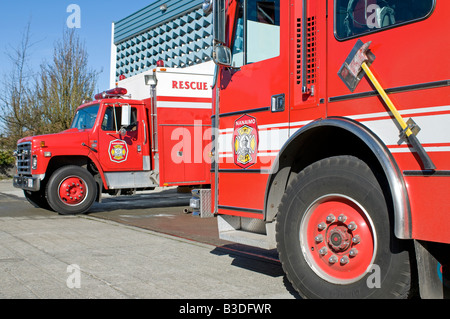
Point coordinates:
pixel 27 183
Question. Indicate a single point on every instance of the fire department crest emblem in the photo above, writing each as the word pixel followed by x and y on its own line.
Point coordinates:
pixel 245 141
pixel 118 151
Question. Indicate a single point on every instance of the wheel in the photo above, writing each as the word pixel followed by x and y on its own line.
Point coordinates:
pixel 334 234
pixel 71 190
pixel 37 199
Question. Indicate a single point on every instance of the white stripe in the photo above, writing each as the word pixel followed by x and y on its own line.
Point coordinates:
pixel 184 105
pixel 274 154
pixel 355 117
pixel 434 129
pixel 226 130
pixel 402 112
pixel 430 149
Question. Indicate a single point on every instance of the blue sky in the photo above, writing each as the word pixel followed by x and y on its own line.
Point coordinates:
pixel 48 20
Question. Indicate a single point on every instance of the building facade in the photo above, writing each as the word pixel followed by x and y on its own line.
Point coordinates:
pixel 174 31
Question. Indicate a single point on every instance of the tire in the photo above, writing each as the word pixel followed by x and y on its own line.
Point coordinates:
pixel 71 190
pixel 37 199
pixel 330 258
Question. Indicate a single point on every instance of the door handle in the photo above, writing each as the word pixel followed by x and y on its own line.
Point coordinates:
pixel 278 103
pixel 145 132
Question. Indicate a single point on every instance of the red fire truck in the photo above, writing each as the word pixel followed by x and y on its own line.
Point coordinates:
pixel 317 110
pixel 120 143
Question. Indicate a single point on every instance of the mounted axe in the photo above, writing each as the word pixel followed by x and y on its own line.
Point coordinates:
pixel 353 70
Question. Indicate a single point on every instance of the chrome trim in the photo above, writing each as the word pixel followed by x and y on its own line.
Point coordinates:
pixel 120 180
pixel 216 150
pixel 23 158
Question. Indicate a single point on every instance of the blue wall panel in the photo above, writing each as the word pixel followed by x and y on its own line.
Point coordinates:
pixel 181 36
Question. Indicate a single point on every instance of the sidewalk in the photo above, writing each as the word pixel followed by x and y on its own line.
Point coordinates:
pixel 6 187
pixel 47 256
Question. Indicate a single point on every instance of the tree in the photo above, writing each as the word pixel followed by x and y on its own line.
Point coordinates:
pixel 65 82
pixel 18 115
pixel 45 102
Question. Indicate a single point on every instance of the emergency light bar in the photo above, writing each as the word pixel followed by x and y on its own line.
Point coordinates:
pixel 116 92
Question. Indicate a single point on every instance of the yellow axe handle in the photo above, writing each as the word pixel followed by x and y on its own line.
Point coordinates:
pixel 386 99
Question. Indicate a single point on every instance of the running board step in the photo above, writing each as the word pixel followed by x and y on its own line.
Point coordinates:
pixel 247 238
pixel 247 231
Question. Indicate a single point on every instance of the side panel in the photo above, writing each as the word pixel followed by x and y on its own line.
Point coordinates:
pixel 118 152
pixel 183 117
pixel 184 160
pixel 430 207
pixel 411 64
pixel 246 146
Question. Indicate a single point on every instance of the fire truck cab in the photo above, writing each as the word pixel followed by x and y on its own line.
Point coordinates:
pixel 134 137
pixel 312 154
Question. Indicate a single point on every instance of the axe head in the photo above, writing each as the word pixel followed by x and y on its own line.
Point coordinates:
pixel 351 71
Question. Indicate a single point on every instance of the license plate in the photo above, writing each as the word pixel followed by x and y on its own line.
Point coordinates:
pixel 30 183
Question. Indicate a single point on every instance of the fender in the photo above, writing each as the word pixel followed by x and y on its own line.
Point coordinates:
pixel 97 164
pixel 282 168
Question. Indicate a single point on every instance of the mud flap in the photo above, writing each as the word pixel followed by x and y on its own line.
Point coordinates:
pixel 433 270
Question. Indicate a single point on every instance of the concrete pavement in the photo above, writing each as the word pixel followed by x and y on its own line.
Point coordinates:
pixel 47 256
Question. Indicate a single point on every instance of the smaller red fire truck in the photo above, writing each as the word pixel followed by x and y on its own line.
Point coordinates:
pixel 149 132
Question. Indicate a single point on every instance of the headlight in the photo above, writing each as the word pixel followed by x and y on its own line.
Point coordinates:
pixel 34 162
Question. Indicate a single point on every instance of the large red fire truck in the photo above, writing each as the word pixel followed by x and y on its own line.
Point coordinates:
pixel 317 110
pixel 134 137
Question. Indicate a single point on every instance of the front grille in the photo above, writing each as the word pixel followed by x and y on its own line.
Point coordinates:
pixel 23 155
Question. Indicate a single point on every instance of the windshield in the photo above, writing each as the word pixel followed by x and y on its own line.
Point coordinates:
pixel 85 117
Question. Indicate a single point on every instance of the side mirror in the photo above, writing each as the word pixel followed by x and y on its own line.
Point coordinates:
pixel 126 115
pixel 222 55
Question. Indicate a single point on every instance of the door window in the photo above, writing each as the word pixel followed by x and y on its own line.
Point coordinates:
pixel 257 32
pixel 113 118
pixel 355 17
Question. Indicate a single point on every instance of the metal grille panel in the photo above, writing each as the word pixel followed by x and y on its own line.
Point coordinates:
pixel 181 42
pixel 23 155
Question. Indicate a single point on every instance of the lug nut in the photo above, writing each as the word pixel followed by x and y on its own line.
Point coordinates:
pixel 356 239
pixel 342 218
pixel 344 260
pixel 318 238
pixel 331 218
pixel 323 251
pixel 353 252
pixel 322 226
pixel 352 226
pixel 333 259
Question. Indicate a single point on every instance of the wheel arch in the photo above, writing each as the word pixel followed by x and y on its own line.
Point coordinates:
pixel 89 163
pixel 338 136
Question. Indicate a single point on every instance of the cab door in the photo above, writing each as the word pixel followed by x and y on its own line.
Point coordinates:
pixel 120 150
pixel 253 114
